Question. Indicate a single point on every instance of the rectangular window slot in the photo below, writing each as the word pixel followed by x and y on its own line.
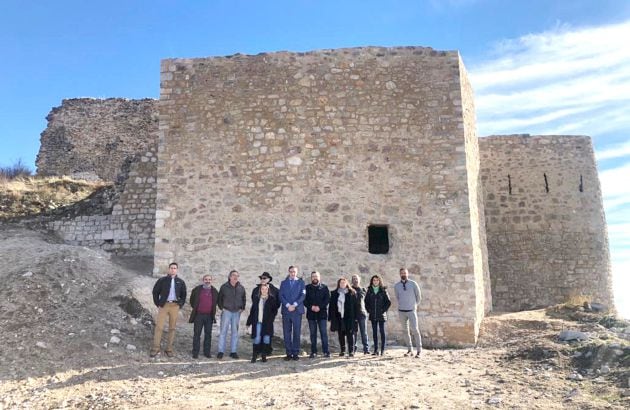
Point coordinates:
pixel 378 239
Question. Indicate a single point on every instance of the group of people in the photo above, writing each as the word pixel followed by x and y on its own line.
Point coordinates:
pixel 347 308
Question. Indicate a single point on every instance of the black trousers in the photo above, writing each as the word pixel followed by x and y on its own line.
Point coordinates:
pixel 380 325
pixel 346 336
pixel 202 323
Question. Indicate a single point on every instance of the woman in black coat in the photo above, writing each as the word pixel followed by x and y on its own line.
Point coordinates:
pixel 342 314
pixel 261 317
pixel 377 303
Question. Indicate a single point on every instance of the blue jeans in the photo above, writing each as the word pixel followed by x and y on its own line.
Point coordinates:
pixel 229 319
pixel 266 339
pixel 362 320
pixel 312 327
pixel 292 327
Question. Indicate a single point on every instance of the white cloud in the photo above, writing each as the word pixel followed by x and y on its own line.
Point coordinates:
pixel 614 151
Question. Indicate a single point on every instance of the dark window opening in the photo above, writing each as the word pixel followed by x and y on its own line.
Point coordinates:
pixel 378 242
pixel 581 184
pixel 546 184
pixel 509 184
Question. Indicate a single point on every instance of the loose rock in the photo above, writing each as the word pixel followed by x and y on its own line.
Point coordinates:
pixel 568 335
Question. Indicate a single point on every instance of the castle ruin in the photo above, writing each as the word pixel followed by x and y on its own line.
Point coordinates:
pixel 358 161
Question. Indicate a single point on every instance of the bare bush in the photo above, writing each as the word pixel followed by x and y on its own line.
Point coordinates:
pixel 17 170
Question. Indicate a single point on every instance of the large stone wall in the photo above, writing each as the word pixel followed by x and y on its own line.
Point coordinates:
pixel 547 240
pixel 283 158
pixel 92 138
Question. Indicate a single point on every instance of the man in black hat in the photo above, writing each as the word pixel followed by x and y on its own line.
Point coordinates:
pixel 265 279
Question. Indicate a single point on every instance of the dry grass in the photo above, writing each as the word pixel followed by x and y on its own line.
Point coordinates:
pixel 23 196
pixel 577 300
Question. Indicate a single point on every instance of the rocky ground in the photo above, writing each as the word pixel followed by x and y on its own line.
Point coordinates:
pixel 77 324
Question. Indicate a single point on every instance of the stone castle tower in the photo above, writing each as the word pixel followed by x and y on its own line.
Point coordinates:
pixel 363 161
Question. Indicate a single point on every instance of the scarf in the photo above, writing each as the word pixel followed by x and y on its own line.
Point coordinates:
pixel 375 289
pixel 341 302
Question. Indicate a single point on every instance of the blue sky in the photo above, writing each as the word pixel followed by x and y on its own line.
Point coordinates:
pixel 537 66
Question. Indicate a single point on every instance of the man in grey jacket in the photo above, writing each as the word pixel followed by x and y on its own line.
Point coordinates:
pixel 232 303
pixel 408 296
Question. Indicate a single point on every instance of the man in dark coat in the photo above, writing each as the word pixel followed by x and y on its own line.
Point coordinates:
pixel 361 315
pixel 203 300
pixel 169 295
pixel 232 303
pixel 316 304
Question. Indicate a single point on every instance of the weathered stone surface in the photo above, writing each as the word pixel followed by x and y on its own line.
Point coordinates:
pixel 545 221
pixel 89 137
pixel 317 147
pixel 129 227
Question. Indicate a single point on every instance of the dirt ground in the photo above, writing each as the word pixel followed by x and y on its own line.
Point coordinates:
pixel 77 325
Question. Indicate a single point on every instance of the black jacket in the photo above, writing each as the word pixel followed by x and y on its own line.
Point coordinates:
pixel 162 288
pixel 361 295
pixel 351 307
pixel 377 304
pixel 317 296
pixel 194 302
pixel 270 311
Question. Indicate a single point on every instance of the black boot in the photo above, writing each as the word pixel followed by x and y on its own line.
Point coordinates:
pixel 255 350
pixel 264 351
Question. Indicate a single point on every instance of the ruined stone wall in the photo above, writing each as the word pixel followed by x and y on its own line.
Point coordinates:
pixel 129 226
pixel 92 138
pixel 284 158
pixel 547 240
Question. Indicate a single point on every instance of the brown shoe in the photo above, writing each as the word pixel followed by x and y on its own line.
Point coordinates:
pixel 169 353
pixel 153 354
